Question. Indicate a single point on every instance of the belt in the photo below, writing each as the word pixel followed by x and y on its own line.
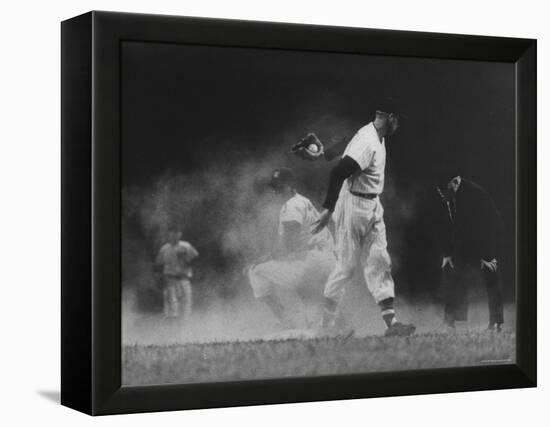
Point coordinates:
pixel 177 276
pixel 368 196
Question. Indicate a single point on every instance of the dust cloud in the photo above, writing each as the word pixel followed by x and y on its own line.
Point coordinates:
pixel 225 209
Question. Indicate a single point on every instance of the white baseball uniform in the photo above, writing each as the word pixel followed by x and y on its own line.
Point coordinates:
pixel 177 294
pixel 308 266
pixel 360 232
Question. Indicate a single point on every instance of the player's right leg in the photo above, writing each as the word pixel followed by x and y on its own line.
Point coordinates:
pixel 338 279
pixel 455 293
pixel 334 292
pixel 166 301
pixel 171 301
pixel 187 297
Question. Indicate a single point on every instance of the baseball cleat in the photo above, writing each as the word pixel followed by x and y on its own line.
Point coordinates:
pixel 445 328
pixel 400 330
pixel 342 334
pixel 346 334
pixel 494 327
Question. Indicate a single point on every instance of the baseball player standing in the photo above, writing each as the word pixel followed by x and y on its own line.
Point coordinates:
pixel 355 185
pixel 300 260
pixel 173 262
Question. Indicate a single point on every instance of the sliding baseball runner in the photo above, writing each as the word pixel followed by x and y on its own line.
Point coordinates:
pixel 300 261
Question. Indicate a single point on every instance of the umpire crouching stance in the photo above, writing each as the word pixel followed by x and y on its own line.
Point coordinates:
pixel 469 230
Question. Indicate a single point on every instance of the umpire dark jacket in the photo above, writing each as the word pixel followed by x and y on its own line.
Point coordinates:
pixel 470 226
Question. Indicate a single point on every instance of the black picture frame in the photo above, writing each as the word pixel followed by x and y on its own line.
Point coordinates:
pixel 91 203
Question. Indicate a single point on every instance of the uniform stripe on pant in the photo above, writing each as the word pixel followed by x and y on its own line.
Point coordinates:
pixel 360 238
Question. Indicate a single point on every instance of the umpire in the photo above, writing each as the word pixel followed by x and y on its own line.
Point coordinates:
pixel 469 230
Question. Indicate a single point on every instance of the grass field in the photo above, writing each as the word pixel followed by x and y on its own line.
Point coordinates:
pixel 242 360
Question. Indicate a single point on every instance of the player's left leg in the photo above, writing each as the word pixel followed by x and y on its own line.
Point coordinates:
pixel 187 298
pixel 377 270
pixel 376 263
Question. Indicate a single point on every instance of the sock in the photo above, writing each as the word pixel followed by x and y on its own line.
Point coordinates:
pixel 388 312
pixel 389 317
pixel 329 312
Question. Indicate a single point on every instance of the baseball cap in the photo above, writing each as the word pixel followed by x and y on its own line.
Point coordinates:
pixel 388 105
pixel 281 177
pixel 173 228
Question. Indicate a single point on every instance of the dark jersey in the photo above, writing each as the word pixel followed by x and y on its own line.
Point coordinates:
pixel 469 226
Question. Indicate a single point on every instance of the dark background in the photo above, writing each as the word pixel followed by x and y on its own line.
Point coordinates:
pixel 195 121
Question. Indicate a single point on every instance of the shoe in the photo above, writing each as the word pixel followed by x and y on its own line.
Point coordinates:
pixel 345 334
pixel 400 330
pixel 494 327
pixel 450 324
pixel 342 334
pixel 448 327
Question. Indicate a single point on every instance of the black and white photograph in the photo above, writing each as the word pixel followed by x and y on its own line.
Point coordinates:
pixel 276 213
pixel 292 213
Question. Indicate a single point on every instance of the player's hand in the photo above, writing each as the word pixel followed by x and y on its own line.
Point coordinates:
pixel 322 222
pixel 447 261
pixel 491 265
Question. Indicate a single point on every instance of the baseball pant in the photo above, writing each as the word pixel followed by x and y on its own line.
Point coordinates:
pixel 177 296
pixel 360 239
pixel 303 270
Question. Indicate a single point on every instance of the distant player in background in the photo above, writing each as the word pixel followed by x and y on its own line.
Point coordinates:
pixel 469 231
pixel 300 262
pixel 355 186
pixel 173 264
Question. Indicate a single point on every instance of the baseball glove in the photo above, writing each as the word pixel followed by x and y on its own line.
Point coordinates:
pixel 308 148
